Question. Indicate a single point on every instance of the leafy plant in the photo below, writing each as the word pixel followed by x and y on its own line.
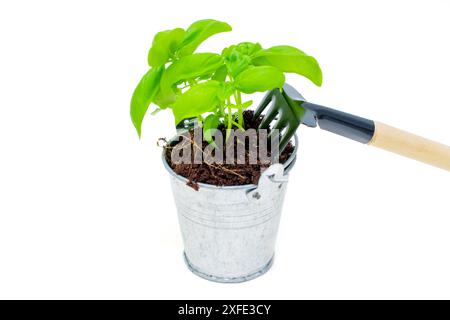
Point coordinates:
pixel 209 86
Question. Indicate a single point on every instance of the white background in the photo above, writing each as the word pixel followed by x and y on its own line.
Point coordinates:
pixel 86 209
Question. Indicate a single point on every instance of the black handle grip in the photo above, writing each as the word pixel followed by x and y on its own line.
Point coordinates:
pixel 341 123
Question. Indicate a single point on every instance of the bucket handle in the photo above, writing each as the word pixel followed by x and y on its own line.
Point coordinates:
pixel 272 179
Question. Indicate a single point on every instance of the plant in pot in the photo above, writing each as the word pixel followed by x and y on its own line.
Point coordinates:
pixel 228 210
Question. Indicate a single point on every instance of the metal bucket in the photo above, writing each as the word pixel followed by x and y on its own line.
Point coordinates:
pixel 229 232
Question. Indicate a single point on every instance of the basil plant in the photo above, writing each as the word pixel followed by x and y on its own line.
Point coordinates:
pixel 209 86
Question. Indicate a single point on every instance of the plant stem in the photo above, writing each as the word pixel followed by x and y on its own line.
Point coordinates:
pixel 200 121
pixel 238 99
pixel 238 125
pixel 229 120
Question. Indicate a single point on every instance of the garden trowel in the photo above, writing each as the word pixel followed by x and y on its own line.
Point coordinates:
pixel 287 109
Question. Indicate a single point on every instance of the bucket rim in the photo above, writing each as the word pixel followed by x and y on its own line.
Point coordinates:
pixel 287 167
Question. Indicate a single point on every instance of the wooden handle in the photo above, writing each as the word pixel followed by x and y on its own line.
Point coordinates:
pixel 411 146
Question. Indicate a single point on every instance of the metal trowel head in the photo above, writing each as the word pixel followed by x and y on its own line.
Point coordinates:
pixel 282 114
pixel 286 109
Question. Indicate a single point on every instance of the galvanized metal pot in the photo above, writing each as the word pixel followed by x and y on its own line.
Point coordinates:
pixel 229 232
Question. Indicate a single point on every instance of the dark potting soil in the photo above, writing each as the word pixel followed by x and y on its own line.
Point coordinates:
pixel 225 174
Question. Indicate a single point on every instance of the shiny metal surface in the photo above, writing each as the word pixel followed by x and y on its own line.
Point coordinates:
pixel 229 232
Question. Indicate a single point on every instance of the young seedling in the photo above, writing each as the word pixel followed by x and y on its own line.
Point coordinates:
pixel 210 86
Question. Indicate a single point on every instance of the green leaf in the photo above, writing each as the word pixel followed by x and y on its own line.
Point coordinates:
pixel 226 90
pixel 247 104
pixel 290 59
pixel 259 79
pixel 200 31
pixel 143 95
pixel 164 45
pixel 220 74
pixel 197 100
pixel 165 99
pixel 238 57
pixel 236 62
pixel 245 48
pixel 190 67
pixel 209 125
pixel 156 111
pixel 249 48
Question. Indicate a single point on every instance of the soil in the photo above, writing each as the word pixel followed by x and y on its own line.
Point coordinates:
pixel 225 174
